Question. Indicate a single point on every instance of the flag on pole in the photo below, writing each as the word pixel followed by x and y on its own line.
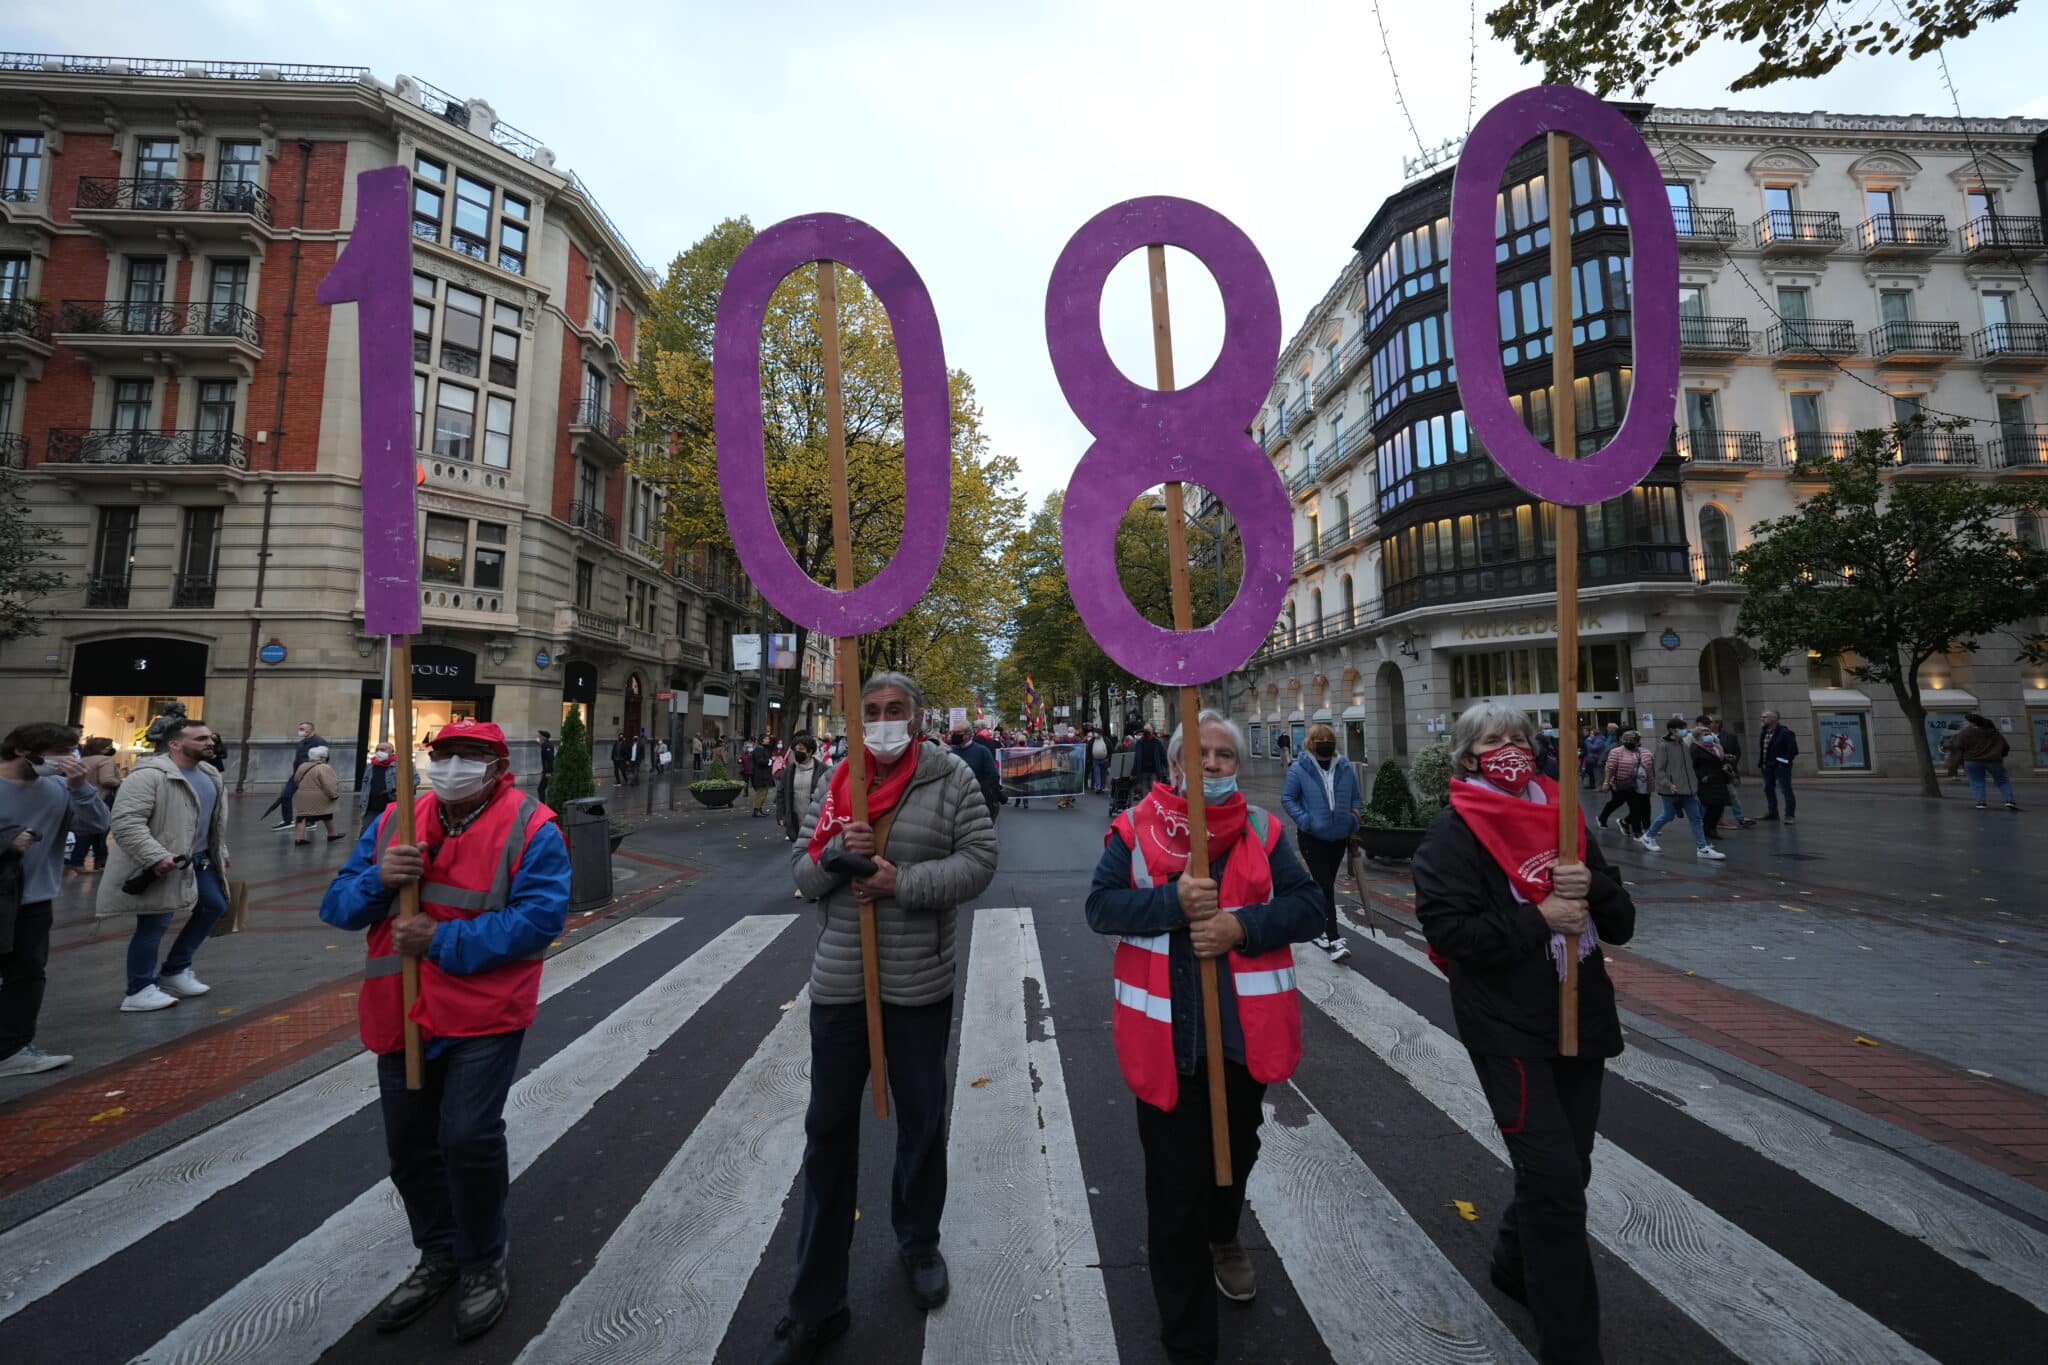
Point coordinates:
pixel 1030 694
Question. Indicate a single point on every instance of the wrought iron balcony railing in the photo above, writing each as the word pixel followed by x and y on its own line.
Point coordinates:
pixel 192 591
pixel 1711 446
pixel 1699 224
pixel 592 414
pixel 27 319
pixel 2011 341
pixel 120 317
pixel 1813 451
pixel 107 590
pixel 1722 336
pixel 1939 449
pixel 145 194
pixel 1713 568
pixel 116 446
pixel 592 518
pixel 2002 232
pixel 13 450
pixel 2019 448
pixel 1916 338
pixel 1812 336
pixel 1903 231
pixel 1799 228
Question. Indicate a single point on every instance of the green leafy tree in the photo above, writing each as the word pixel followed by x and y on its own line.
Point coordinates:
pixel 1889 570
pixel 24 561
pixel 1615 45
pixel 1392 805
pixel 572 778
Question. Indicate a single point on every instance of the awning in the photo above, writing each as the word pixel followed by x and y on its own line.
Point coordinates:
pixel 1947 699
pixel 1838 699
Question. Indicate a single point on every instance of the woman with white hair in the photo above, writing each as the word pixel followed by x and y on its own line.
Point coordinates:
pixel 1256 901
pixel 316 791
pixel 1501 913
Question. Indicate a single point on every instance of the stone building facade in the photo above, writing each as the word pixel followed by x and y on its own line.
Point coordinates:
pixel 1837 273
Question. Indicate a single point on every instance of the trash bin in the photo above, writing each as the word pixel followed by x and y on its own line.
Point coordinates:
pixel 590 853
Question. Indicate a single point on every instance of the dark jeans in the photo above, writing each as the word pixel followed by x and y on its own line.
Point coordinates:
pixel 149 931
pixel 1710 816
pixel 95 844
pixel 914 1043
pixel 446 1141
pixel 1098 774
pixel 21 977
pixel 1779 776
pixel 1547 1109
pixel 1324 858
pixel 1186 1210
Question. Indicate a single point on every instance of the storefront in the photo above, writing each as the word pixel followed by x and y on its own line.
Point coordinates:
pixel 579 688
pixel 1525 676
pixel 444 690
pixel 119 686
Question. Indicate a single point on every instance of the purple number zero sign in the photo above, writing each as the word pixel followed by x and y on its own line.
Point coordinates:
pixel 1145 437
pixel 927 423
pixel 1475 330
pixel 374 272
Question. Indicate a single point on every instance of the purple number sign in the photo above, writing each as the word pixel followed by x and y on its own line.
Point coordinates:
pixel 1475 330
pixel 1145 437
pixel 374 272
pixel 927 423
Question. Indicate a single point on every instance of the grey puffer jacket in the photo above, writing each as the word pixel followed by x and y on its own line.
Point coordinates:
pixel 944 848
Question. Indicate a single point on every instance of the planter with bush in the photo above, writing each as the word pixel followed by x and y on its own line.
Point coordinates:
pixel 1403 804
pixel 716 788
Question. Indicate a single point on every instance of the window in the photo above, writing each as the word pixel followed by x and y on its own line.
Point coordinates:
pixel 1998 316
pixel 1806 424
pixel 600 306
pixel 2027 528
pixel 2012 422
pixel 1880 204
pixel 1778 199
pixel 1702 410
pixel 115 551
pixel 1715 555
pixel 586 581
pixel 216 415
pixel 454 421
pixel 419 412
pixel 498 431
pixel 441 556
pixel 226 293
pixel 423 287
pixel 13 277
pixel 131 404
pixel 462 332
pixel 156 170
pixel 1894 307
pixel 198 557
pixel 593 395
pixel 144 314
pixel 642 598
pixel 1981 203
pixel 1679 195
pixel 472 231
pixel 1692 301
pixel 589 485
pixel 21 166
pixel 1792 308
pixel 1823 670
pixel 6 404
pixel 512 223
pixel 236 176
pixel 505 345
pixel 429 178
pixel 488 561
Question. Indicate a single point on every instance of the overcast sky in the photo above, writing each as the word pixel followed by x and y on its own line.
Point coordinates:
pixel 980 140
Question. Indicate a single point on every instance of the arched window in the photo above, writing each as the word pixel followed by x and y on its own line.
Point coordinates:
pixel 1350 604
pixel 1290 623
pixel 2028 528
pixel 1716 559
pixel 1315 610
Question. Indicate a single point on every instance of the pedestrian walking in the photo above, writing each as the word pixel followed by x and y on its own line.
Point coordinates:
pixel 1711 769
pixel 940 852
pixel 494 896
pixel 622 758
pixel 103 773
pixel 1324 798
pixel 169 846
pixel 1630 771
pixel 1148 760
pixel 661 757
pixel 797 784
pixel 1502 912
pixel 1098 764
pixel 983 765
pixel 1776 747
pixel 547 761
pixel 1679 784
pixel 307 738
pixel 45 793
pixel 379 785
pixel 759 767
pixel 1257 900
pixel 696 754
pixel 317 790
pixel 1715 734
pixel 1984 750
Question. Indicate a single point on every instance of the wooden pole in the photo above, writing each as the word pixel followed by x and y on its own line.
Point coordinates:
pixel 1190 725
pixel 1564 412
pixel 849 665
pixel 398 709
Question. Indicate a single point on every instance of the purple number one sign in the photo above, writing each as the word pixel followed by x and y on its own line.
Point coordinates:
pixel 374 272
pixel 1475 329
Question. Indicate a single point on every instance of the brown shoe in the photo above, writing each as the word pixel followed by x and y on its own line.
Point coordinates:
pixel 1234 1277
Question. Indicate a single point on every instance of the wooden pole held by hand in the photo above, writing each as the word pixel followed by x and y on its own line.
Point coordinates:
pixel 398 707
pixel 1564 411
pixel 1191 726
pixel 849 667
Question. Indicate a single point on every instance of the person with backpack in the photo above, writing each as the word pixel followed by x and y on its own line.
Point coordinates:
pixel 1984 750
pixel 1324 799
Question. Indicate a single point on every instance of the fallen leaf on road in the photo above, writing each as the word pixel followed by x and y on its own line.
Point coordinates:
pixel 1692 973
pixel 1867 1042
pixel 1795 909
pixel 1465 1210
pixel 979 1081
pixel 1980 962
pixel 113 1113
pixel 788 1005
pixel 1975 1072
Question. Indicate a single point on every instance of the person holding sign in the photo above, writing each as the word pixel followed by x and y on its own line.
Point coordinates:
pixel 1505 917
pixel 925 848
pixel 1256 901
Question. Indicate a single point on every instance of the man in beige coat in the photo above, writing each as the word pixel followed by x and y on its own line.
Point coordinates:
pixel 168 854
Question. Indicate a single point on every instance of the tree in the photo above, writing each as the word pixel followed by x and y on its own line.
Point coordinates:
pixel 1889 572
pixel 1612 45
pixel 572 778
pixel 943 640
pixel 23 561
pixel 1392 806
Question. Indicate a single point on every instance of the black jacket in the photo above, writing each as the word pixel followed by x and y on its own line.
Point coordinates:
pixel 1149 756
pixel 1712 770
pixel 1503 983
pixel 983 765
pixel 1773 744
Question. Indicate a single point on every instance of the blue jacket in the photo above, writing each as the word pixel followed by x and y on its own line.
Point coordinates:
pixel 1302 798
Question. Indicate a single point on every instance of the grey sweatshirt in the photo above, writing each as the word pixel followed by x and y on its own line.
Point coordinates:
pixel 42 804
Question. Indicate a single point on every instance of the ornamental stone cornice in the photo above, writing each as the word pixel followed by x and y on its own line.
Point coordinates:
pixel 1680 162
pixel 1885 169
pixel 1781 165
pixel 1986 170
pixel 1897 274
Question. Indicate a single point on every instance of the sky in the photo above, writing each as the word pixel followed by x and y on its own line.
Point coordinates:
pixel 979 138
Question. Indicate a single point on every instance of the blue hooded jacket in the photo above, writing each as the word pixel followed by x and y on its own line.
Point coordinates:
pixel 1302 798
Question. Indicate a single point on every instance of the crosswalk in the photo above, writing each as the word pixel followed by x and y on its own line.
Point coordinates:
pixel 639 1242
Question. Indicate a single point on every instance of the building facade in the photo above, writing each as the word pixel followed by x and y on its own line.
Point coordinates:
pixel 1837 273
pixel 186 414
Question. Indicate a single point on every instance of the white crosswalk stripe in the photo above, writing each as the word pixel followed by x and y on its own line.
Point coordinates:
pixel 47 1251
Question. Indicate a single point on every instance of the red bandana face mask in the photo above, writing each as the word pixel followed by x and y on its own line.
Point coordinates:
pixel 1509 767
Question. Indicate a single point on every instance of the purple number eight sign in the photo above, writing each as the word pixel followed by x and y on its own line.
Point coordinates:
pixel 1475 330
pixel 1145 437
pixel 927 423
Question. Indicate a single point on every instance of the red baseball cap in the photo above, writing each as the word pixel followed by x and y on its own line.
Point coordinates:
pixel 480 731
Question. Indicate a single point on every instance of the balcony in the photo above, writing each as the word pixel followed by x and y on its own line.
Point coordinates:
pixel 13 450
pixel 2001 235
pixel 1697 224
pixel 24 330
pixel 575 624
pixel 1274 434
pixel 689 653
pixel 1902 234
pixel 1705 338
pixel 1480 582
pixel 589 517
pixel 1356 441
pixel 1713 569
pixel 1331 628
pixel 595 431
pixel 1916 342
pixel 1704 448
pixel 1354 355
pixel 2023 344
pixel 116 448
pixel 649 550
pixel 1301 481
pixel 1309 553
pixel 1326 378
pixel 2019 448
pixel 218 208
pixel 1346 535
pixel 1939 450
pixel 1811 452
pixel 107 591
pixel 1297 412
pixel 1793 232
pixel 640 641
pixel 192 591
pixel 1804 338
pixel 732 588
pixel 120 329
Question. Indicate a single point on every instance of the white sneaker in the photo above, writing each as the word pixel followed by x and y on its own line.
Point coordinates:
pixel 1321 941
pixel 1339 950
pixel 1651 844
pixel 1709 854
pixel 184 984
pixel 148 998
pixel 30 1060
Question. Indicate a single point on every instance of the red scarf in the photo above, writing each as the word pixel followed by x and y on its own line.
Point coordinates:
pixel 1521 835
pixel 1160 822
pixel 837 812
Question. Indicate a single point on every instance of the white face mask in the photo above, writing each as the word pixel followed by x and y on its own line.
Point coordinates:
pixel 887 739
pixel 457 779
pixel 44 767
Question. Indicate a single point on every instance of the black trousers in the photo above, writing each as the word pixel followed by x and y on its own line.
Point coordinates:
pixel 1638 805
pixel 914 1042
pixel 446 1141
pixel 1547 1109
pixel 1324 857
pixel 1186 1210
pixel 22 978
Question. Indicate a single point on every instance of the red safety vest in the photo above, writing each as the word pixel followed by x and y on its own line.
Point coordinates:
pixel 1268 1010
pixel 468 875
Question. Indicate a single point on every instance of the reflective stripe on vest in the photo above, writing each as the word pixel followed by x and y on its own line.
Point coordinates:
pixel 1152 1006
pixel 1151 943
pixel 1263 983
